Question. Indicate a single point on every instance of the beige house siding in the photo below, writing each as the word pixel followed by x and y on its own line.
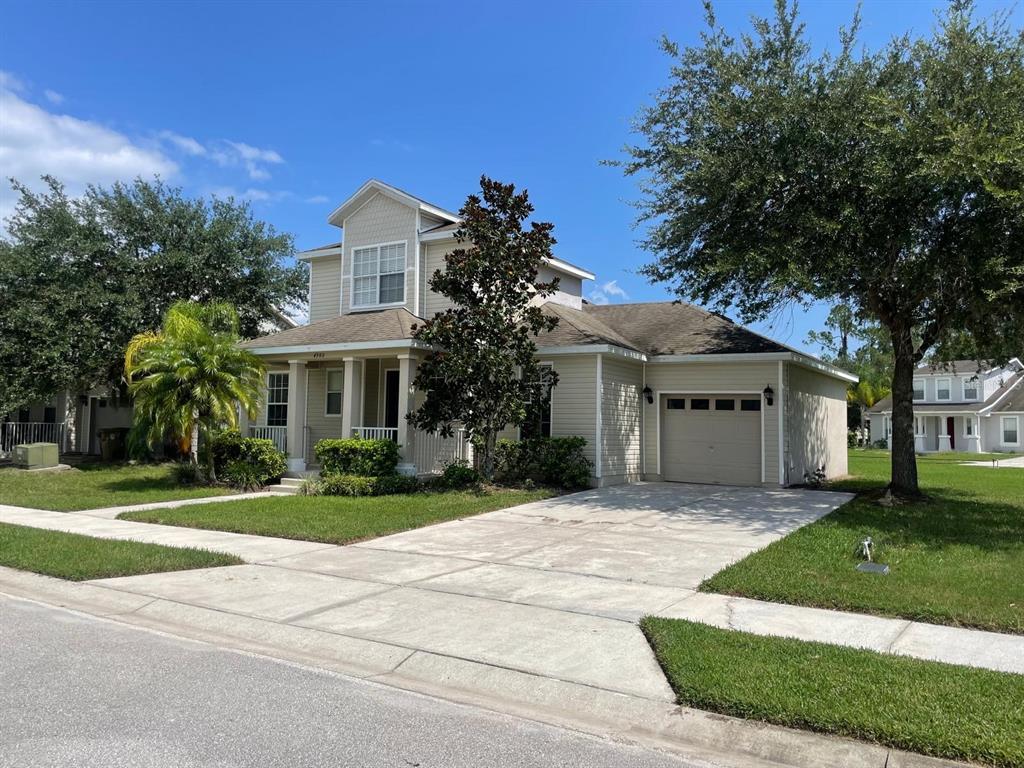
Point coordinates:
pixel 815 424
pixel 319 425
pixel 433 260
pixel 324 288
pixel 712 378
pixel 621 385
pixel 574 400
pixel 381 220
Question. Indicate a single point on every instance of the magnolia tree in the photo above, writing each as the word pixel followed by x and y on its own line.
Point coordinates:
pixel 891 182
pixel 482 370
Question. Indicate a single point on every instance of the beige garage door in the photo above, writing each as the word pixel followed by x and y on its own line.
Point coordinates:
pixel 711 439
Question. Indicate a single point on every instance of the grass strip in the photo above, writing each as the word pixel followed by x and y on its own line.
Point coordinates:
pixel 935 709
pixel 78 558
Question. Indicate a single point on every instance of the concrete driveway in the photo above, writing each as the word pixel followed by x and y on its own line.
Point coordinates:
pixel 552 589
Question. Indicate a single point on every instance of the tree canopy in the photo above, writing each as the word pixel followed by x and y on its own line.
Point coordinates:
pixel 81 276
pixel 891 181
pixel 482 370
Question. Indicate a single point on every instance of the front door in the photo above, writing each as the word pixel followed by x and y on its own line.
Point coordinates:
pixel 951 433
pixel 391 399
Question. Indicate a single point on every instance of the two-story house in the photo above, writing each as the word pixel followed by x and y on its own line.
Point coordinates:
pixel 659 391
pixel 962 405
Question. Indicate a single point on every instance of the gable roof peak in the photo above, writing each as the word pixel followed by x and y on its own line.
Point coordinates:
pixel 373 187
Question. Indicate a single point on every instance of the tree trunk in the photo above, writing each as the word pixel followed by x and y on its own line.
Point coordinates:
pixel 487 458
pixel 904 460
pixel 193 448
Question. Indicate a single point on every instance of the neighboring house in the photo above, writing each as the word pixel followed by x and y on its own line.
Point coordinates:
pixel 659 391
pixel 963 405
pixel 74 420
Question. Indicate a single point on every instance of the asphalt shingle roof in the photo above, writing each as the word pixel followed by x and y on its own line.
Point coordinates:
pixel 381 325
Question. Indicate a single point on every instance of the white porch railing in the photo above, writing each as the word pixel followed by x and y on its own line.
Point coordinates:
pixel 376 433
pixel 434 451
pixel 278 434
pixel 14 433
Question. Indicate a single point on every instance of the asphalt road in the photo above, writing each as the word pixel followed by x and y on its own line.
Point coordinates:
pixel 77 691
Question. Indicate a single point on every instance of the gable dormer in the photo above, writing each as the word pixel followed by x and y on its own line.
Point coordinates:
pixel 392 242
pixel 377 263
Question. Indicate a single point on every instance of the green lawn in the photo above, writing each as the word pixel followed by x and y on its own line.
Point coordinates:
pixel 337 519
pixel 923 706
pixel 957 558
pixel 96 485
pixel 77 558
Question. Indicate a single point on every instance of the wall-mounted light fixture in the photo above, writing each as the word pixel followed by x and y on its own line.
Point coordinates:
pixel 769 395
pixel 649 395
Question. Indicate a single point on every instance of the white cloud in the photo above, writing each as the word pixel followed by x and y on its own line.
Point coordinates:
pixel 78 152
pixel 318 199
pixel 8 82
pixel 251 194
pixel 53 97
pixel 604 293
pixel 186 144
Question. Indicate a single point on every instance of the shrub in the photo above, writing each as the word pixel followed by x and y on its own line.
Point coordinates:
pixel 363 485
pixel 311 486
pixel 262 456
pixel 354 456
pixel 549 460
pixel 457 474
pixel 244 476
pixel 852 439
pixel 186 473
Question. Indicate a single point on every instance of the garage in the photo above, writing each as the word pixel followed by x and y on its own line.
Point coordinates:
pixel 711 438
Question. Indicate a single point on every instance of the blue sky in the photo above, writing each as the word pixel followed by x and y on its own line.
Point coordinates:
pixel 293 105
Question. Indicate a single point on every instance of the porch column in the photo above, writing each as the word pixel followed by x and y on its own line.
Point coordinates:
pixel 296 429
pixel 974 439
pixel 352 397
pixel 406 404
pixel 944 442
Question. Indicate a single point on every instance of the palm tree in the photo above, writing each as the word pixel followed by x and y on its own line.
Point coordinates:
pixel 865 395
pixel 192 376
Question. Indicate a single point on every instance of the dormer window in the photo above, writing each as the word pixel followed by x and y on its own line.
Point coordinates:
pixel 378 275
pixel 942 389
pixel 918 389
pixel 971 388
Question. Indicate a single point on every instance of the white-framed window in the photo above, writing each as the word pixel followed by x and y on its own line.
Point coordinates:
pixel 277 399
pixel 968 426
pixel 918 389
pixel 919 426
pixel 1009 427
pixel 971 388
pixel 378 275
pixel 943 389
pixel 334 383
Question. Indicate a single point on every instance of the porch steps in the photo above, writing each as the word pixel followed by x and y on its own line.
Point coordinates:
pixel 287 486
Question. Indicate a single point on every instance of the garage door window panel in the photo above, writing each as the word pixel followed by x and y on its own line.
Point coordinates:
pixel 700 404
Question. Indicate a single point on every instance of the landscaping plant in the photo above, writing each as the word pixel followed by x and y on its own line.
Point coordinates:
pixel 191 376
pixel 356 456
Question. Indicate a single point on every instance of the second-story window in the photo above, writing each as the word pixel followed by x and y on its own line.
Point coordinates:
pixel 378 275
pixel 971 388
pixel 942 389
pixel 919 389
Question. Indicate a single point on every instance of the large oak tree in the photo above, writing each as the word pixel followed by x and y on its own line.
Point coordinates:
pixel 891 181
pixel 80 276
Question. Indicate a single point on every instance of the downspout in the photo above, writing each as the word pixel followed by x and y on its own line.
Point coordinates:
pixel 599 447
pixel 643 421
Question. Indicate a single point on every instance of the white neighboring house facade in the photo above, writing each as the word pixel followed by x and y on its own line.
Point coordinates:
pixel 659 391
pixel 962 405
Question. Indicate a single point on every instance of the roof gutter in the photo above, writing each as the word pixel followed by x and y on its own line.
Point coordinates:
pixel 347 346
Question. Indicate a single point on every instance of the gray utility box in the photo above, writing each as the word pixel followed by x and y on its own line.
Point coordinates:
pixel 36 455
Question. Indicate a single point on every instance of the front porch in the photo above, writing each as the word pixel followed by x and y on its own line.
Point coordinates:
pixel 939 432
pixel 365 396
